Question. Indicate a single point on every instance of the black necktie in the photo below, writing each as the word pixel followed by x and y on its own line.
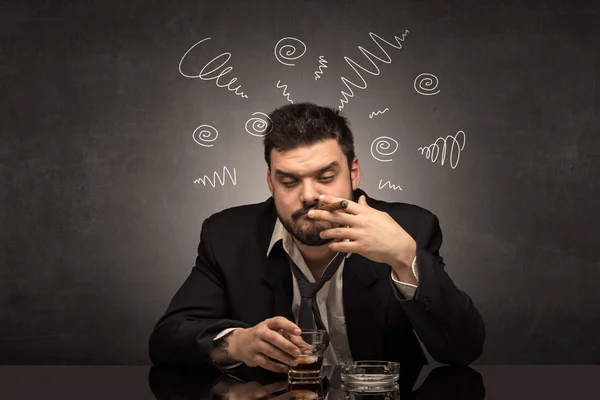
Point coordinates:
pixel 309 311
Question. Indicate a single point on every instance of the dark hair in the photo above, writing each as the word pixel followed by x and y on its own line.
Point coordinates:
pixel 300 124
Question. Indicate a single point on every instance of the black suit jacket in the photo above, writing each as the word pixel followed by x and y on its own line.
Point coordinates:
pixel 234 284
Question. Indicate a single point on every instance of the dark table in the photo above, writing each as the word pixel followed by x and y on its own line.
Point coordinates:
pixel 428 382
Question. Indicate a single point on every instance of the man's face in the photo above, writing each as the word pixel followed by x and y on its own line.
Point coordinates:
pixel 296 179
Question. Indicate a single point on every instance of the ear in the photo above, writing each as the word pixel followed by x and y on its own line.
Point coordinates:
pixel 269 181
pixel 355 173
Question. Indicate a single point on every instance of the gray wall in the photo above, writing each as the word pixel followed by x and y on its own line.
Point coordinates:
pixel 100 214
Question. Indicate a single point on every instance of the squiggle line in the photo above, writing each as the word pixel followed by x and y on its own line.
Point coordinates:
pixel 203 138
pixel 322 65
pixel 289 52
pixel 381 143
pixel 287 95
pixel 378 112
pixel 259 125
pixel 370 57
pixel 216 176
pixel 205 76
pixel 433 150
pixel 388 183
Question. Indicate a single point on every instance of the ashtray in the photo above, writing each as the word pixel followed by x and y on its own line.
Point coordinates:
pixel 370 374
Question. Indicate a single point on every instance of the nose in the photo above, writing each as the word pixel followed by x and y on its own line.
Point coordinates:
pixel 309 193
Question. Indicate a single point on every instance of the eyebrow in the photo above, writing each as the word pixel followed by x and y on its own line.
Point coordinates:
pixel 328 167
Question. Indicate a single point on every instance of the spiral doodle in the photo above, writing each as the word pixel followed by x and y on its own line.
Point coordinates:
pixel 204 135
pixel 287 51
pixel 258 125
pixel 381 144
pixel 425 84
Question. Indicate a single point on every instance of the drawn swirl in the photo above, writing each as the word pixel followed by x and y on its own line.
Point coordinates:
pixel 381 144
pixel 426 84
pixel 204 135
pixel 457 145
pixel 258 125
pixel 287 51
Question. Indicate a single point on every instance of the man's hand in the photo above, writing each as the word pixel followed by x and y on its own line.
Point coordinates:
pixel 231 389
pixel 372 234
pixel 253 346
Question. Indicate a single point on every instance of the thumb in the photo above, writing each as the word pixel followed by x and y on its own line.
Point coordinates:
pixel 362 200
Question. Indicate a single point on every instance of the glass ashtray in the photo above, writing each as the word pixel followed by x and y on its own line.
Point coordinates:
pixel 370 374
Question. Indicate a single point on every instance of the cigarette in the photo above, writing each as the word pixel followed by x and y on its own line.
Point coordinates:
pixel 340 205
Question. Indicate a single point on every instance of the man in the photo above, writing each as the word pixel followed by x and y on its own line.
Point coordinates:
pixel 383 273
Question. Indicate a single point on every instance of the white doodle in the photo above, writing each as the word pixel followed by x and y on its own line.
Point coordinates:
pixel 378 112
pixel 381 144
pixel 287 51
pixel 426 84
pixel 205 135
pixel 432 151
pixel 322 66
pixel 370 56
pixel 389 184
pixel 258 125
pixel 287 95
pixel 210 75
pixel 218 177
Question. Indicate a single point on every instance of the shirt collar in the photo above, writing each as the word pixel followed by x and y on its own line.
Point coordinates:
pixel 281 234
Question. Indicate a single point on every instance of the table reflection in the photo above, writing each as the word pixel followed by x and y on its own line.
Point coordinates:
pixel 444 382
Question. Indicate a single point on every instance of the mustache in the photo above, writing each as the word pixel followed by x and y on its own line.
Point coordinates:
pixel 306 207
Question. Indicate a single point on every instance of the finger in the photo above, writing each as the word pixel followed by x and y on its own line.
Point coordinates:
pixel 341 233
pixel 275 387
pixel 276 353
pixel 353 207
pixel 298 341
pixel 277 323
pixel 286 396
pixel 339 217
pixel 264 362
pixel 280 343
pixel 362 200
pixel 346 247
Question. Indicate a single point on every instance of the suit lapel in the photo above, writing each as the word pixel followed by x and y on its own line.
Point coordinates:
pixel 278 278
pixel 276 275
pixel 364 307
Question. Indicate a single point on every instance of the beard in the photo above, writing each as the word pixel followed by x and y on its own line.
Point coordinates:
pixel 306 230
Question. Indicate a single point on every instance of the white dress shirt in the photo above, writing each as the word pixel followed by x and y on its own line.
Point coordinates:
pixel 329 299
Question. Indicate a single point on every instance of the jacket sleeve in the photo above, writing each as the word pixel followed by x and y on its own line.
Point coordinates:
pixel 444 317
pixel 183 336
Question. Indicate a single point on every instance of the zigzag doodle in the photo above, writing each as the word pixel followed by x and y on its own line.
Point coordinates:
pixel 216 176
pixel 378 112
pixel 287 95
pixel 388 183
pixel 322 66
pixel 370 56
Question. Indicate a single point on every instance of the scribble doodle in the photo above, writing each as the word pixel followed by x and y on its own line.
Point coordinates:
pixel 426 84
pixel 287 50
pixel 218 177
pixel 322 66
pixel 287 95
pixel 378 112
pixel 258 125
pixel 205 135
pixel 432 151
pixel 381 144
pixel 389 184
pixel 370 56
pixel 214 73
